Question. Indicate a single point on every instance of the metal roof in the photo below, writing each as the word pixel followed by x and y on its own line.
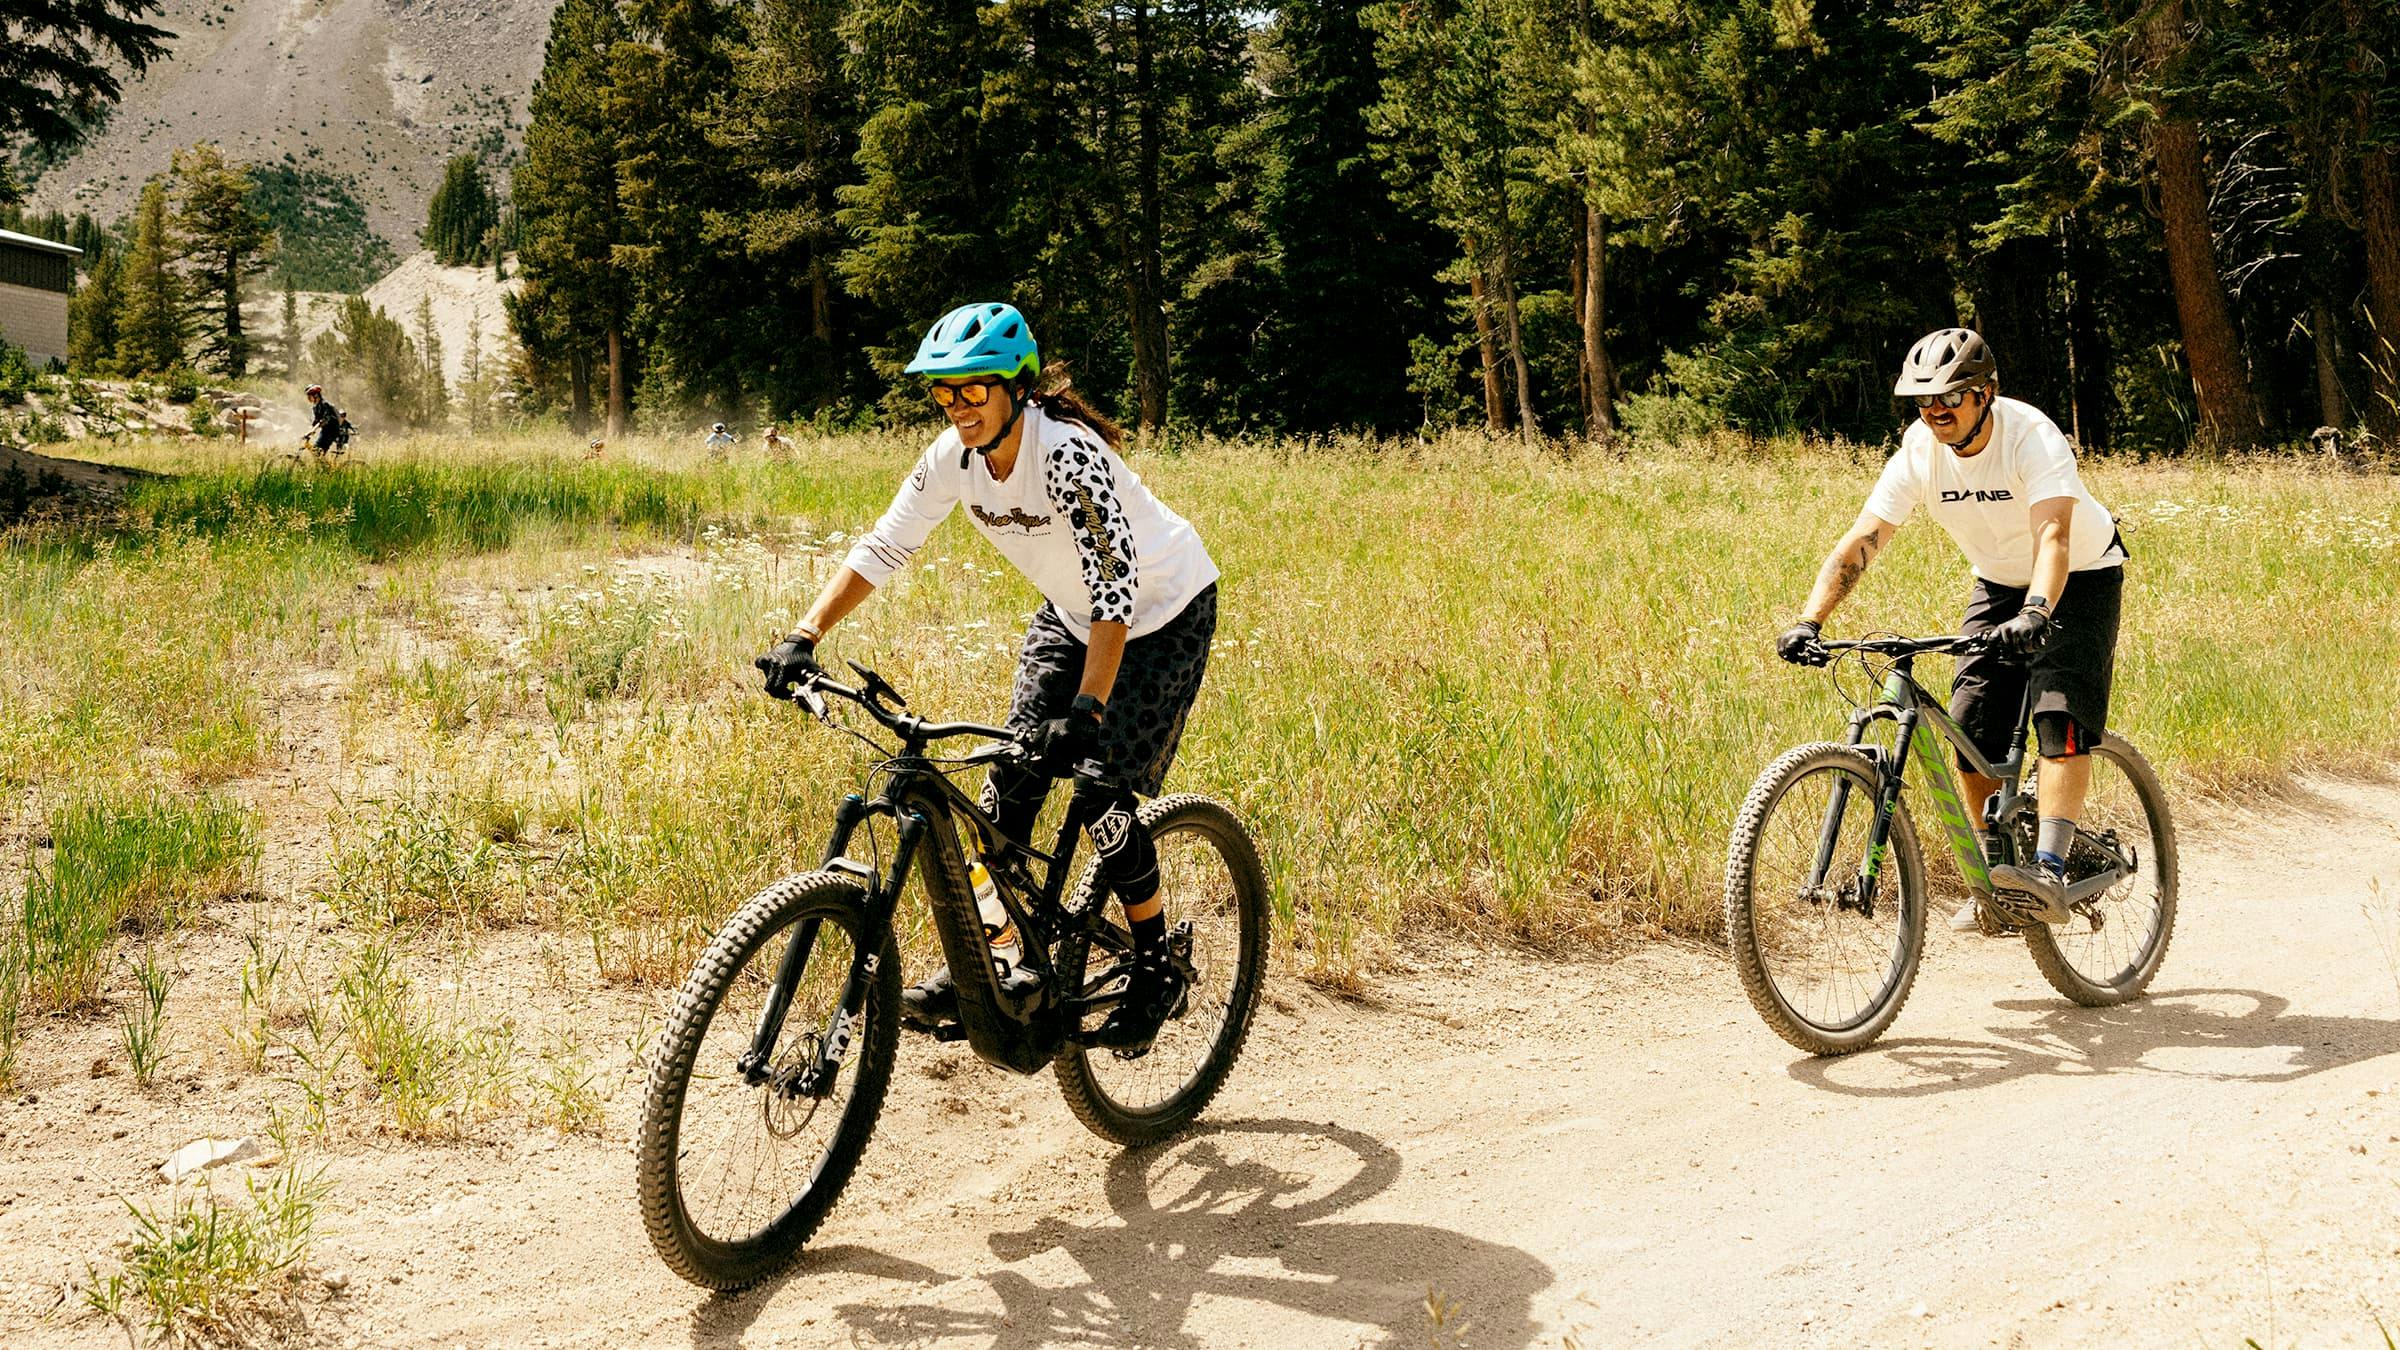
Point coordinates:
pixel 45 245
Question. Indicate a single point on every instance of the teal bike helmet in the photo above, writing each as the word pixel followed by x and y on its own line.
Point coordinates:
pixel 981 339
pixel 988 338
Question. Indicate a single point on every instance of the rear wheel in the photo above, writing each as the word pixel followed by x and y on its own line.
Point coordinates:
pixel 1210 878
pixel 1825 962
pixel 734 1176
pixel 2111 950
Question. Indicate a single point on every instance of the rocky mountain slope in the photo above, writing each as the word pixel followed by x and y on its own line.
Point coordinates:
pixel 379 92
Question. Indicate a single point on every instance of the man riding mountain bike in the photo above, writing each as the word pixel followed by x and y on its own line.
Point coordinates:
pixel 2049 567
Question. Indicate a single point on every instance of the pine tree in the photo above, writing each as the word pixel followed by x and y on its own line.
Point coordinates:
pixel 463 215
pixel 576 299
pixel 1348 265
pixel 430 405
pixel 788 130
pixel 222 242
pixel 150 324
pixel 291 329
pixel 677 194
pixel 92 313
pixel 59 66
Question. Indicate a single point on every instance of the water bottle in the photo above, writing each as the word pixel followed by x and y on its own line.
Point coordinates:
pixel 998 928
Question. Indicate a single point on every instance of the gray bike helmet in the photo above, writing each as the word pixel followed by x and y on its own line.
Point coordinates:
pixel 1953 358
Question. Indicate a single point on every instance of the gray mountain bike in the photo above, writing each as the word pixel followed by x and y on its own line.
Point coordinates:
pixel 1825 888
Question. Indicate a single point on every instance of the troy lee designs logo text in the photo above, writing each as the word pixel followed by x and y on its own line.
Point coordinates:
pixel 1976 495
pixel 1016 516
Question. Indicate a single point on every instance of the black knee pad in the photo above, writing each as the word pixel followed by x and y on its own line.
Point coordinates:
pixel 1128 857
pixel 2059 736
pixel 1014 797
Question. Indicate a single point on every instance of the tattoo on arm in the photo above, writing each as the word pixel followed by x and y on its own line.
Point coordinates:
pixel 1843 571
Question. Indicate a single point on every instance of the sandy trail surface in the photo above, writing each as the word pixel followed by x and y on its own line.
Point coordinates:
pixel 1497 1151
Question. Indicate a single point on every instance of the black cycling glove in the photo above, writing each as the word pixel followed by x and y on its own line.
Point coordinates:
pixel 793 660
pixel 1059 744
pixel 1800 644
pixel 2024 635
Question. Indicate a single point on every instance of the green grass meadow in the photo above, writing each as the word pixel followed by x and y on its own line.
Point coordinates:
pixel 1462 685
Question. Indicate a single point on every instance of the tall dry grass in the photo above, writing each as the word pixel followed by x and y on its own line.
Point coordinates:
pixel 1461 684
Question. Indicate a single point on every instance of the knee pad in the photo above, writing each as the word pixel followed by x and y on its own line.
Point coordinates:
pixel 1014 798
pixel 1128 858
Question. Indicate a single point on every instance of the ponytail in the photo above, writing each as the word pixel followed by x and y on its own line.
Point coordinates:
pixel 1054 392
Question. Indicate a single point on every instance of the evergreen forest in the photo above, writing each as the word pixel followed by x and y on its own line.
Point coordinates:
pixel 2176 220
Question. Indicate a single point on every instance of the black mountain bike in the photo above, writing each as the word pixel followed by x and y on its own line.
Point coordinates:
pixel 1825 890
pixel 770 1071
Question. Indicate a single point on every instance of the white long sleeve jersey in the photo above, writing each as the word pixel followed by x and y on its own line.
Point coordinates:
pixel 1071 515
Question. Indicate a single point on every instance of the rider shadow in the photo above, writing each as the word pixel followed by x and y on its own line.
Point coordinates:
pixel 2223 1035
pixel 1235 1213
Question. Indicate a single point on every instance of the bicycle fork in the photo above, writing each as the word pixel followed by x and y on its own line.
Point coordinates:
pixel 1879 829
pixel 816 1077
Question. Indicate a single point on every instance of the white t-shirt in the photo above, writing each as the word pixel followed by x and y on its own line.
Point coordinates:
pixel 1072 517
pixel 1986 500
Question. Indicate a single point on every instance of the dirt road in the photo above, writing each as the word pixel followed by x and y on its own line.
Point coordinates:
pixel 1506 1152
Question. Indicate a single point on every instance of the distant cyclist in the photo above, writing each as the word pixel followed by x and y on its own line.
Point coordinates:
pixel 720 442
pixel 325 428
pixel 774 443
pixel 2049 568
pixel 1112 660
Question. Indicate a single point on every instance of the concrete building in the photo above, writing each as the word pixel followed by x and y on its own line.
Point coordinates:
pixel 36 277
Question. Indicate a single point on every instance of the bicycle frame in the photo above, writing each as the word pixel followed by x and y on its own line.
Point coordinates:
pixel 1918 717
pixel 1923 725
pixel 1021 1032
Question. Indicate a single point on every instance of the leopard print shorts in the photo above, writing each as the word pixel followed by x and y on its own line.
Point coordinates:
pixel 1156 684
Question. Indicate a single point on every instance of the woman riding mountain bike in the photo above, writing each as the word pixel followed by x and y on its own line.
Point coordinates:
pixel 1113 658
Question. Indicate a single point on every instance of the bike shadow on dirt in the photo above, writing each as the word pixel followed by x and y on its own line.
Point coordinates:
pixel 1246 1212
pixel 2223 1035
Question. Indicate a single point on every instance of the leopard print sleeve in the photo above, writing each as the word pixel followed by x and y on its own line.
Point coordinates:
pixel 1083 486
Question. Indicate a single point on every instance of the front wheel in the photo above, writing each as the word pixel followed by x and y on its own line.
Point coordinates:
pixel 1211 879
pixel 735 1170
pixel 1826 938
pixel 2112 948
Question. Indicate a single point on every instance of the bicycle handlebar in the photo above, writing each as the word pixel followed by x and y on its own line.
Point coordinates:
pixel 908 726
pixel 1907 646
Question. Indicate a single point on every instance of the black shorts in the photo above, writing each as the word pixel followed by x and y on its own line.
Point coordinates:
pixel 2070 676
pixel 1156 684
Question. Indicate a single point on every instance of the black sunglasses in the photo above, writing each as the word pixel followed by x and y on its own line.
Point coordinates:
pixel 1949 400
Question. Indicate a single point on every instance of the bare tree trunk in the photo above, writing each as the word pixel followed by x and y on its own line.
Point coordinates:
pixel 2210 349
pixel 1578 295
pixel 237 351
pixel 1495 408
pixel 2379 220
pixel 1599 374
pixel 820 297
pixel 1149 300
pixel 2087 348
pixel 2331 411
pixel 1527 424
pixel 579 390
pixel 616 382
pixel 2379 195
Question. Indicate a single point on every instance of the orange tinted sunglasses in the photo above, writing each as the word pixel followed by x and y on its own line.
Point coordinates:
pixel 973 395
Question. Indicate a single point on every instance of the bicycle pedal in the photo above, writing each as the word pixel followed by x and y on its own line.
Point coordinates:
pixel 949 1031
